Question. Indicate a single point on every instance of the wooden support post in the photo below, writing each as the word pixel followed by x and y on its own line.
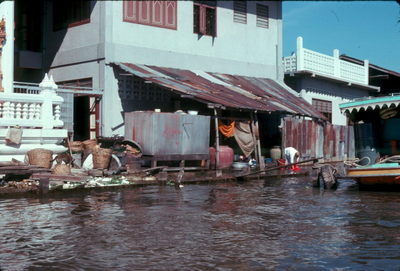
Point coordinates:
pixel 256 136
pixel 44 185
pixel 181 172
pixel 252 129
pixel 217 149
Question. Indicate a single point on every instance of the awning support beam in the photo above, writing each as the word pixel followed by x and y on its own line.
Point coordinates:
pixel 217 148
pixel 256 137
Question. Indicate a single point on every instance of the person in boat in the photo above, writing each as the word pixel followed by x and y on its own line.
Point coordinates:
pixel 291 155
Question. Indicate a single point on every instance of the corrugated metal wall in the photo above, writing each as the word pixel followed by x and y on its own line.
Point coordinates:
pixel 312 139
pixel 168 133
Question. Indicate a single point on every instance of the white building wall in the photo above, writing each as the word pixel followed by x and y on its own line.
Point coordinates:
pixel 243 49
pixel 7 58
pixel 337 117
pixel 311 88
pixel 78 44
pixel 86 50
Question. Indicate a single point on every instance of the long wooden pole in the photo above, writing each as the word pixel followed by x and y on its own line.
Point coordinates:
pixel 257 135
pixel 217 148
pixel 278 167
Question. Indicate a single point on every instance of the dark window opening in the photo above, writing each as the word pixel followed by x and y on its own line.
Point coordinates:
pixel 210 21
pixel 240 12
pixel 85 119
pixel 196 19
pixel 262 16
pixel 70 13
pixel 205 18
pixel 28 25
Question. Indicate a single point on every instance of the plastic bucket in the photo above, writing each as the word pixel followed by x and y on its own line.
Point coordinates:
pixel 281 162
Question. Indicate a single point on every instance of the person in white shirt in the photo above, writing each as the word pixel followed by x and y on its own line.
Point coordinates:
pixel 291 155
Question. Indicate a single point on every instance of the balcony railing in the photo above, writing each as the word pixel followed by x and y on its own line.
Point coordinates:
pixel 325 65
pixel 32 107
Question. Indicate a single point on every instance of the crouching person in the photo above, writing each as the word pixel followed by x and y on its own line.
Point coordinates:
pixel 292 156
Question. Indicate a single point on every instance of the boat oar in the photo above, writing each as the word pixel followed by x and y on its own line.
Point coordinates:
pixel 241 178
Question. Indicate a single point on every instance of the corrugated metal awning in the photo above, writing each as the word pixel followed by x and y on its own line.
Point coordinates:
pixel 224 90
pixel 370 103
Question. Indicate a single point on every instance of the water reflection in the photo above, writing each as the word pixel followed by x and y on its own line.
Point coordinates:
pixel 279 224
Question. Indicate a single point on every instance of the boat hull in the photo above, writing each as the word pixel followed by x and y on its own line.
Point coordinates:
pixel 370 176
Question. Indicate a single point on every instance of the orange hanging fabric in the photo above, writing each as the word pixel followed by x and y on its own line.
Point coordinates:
pixel 226 130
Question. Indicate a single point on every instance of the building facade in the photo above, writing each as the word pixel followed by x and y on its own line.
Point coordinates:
pixel 326 81
pixel 78 41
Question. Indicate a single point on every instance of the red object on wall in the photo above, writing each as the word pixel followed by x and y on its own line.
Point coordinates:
pixel 225 157
pixel 154 13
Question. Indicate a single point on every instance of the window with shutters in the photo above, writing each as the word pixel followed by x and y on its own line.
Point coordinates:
pixel 324 107
pixel 262 16
pixel 153 13
pixel 70 13
pixel 205 17
pixel 240 12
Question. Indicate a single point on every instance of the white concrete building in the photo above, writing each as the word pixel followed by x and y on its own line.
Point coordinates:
pixel 78 44
pixel 326 81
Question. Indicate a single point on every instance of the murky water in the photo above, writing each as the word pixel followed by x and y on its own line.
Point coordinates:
pixel 281 224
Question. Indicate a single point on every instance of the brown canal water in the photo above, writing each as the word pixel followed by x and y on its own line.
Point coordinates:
pixel 277 224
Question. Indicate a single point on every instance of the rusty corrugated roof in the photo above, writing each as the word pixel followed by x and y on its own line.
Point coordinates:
pixel 230 91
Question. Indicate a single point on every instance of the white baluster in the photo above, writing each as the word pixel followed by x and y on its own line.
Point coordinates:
pixel 37 111
pixel 18 111
pixel 6 110
pixel 57 112
pixel 25 110
pixel 12 110
pixel 31 113
pixel 1 110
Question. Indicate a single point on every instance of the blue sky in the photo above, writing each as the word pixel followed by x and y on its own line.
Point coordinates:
pixel 361 29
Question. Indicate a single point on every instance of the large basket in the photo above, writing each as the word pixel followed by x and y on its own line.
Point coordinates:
pixel 76 146
pixel 101 158
pixel 89 144
pixel 40 157
pixel 62 169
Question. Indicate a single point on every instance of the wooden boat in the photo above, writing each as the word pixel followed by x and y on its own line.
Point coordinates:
pixel 385 174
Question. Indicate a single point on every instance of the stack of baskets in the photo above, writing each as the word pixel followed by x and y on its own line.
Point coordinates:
pixel 40 157
pixel 76 146
pixel 88 147
pixel 101 158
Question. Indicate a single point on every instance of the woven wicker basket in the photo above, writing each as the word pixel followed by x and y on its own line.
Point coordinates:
pixel 101 158
pixel 76 146
pixel 40 157
pixel 62 169
pixel 89 144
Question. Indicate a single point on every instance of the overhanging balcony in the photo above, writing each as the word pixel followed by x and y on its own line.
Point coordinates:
pixel 330 67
